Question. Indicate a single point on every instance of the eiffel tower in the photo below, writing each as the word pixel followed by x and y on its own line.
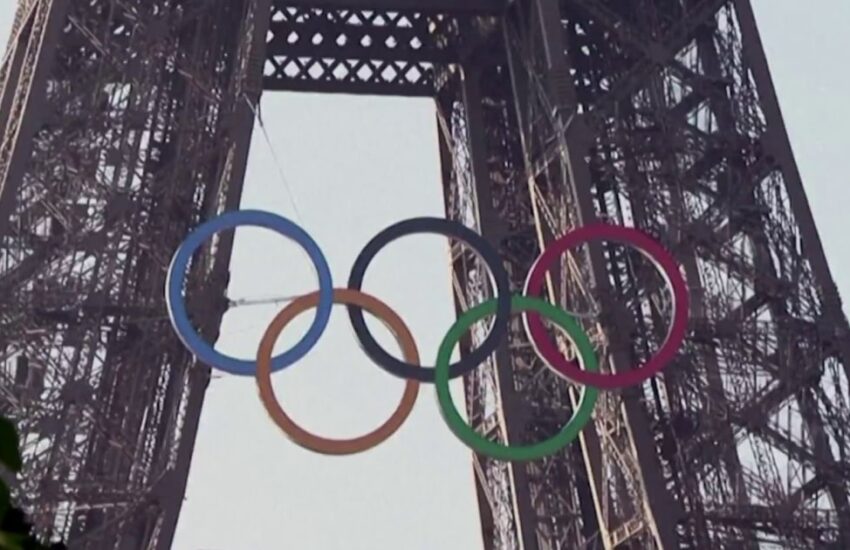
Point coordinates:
pixel 125 123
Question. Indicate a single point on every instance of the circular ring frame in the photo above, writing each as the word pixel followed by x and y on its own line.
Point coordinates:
pixel 301 436
pixel 663 262
pixel 476 441
pixel 447 228
pixel 177 274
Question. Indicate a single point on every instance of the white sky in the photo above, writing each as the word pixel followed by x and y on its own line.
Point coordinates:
pixel 356 165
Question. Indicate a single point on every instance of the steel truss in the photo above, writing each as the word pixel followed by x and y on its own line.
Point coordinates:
pixel 124 124
pixel 659 115
pixel 128 121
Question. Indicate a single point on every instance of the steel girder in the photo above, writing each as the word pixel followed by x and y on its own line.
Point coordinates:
pixel 124 124
pixel 365 51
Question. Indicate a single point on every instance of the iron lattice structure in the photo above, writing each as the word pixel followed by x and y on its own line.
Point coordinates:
pixel 125 122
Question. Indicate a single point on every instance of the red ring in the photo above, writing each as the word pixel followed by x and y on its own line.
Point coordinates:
pixel 662 260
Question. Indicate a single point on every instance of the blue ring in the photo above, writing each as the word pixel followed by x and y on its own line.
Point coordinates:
pixel 177 307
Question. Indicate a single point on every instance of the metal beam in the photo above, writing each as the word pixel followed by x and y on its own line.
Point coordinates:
pixel 479 7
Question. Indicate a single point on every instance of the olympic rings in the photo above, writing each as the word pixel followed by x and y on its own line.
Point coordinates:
pixel 665 264
pixel 529 304
pixel 177 273
pixel 450 229
pixel 302 436
pixel 473 439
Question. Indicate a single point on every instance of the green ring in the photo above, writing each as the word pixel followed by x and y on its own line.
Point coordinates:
pixel 466 433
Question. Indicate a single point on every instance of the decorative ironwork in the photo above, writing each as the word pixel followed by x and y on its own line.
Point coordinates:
pixel 125 122
pixel 358 51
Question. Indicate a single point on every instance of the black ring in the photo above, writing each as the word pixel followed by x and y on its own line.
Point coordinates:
pixel 448 228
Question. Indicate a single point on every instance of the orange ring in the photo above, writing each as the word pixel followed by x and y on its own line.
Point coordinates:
pixel 296 432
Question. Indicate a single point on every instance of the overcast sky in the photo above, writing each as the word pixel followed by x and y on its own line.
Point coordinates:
pixel 356 165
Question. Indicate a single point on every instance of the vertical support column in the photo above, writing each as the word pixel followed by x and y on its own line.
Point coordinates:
pixel 833 326
pixel 485 504
pixel 493 229
pixel 661 512
pixel 23 105
pixel 591 451
pixel 173 486
pixel 777 144
pixel 12 65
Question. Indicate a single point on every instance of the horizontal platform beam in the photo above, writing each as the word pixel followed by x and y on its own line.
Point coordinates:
pixel 411 89
pixel 455 7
